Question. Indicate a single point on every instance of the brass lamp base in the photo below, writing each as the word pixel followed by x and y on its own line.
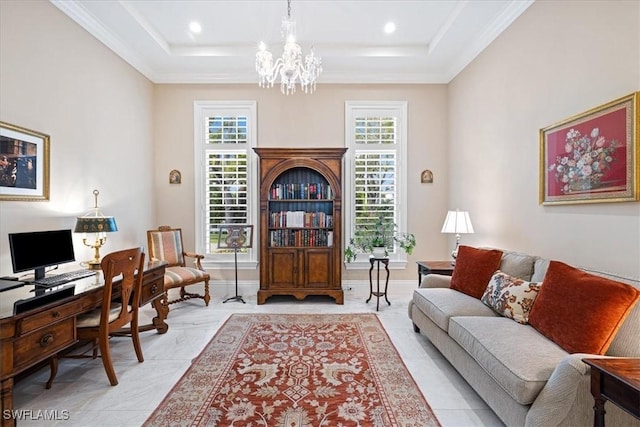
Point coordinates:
pixel 94 265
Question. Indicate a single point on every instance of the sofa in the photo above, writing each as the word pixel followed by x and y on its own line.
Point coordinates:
pixel 523 354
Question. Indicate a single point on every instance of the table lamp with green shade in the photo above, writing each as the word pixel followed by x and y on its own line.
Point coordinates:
pixel 94 222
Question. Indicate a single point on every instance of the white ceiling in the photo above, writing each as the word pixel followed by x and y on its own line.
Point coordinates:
pixel 433 42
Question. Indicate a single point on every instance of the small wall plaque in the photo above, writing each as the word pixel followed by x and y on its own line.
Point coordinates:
pixel 175 177
pixel 426 177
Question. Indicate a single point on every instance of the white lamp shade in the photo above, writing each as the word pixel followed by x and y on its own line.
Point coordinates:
pixel 457 222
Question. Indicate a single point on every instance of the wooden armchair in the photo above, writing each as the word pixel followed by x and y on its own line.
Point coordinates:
pixel 165 244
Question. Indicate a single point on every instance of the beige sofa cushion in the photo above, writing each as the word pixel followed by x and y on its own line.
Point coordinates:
pixel 540 267
pixel 518 265
pixel 519 358
pixel 439 304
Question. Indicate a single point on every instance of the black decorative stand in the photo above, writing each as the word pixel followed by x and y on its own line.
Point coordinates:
pixel 235 236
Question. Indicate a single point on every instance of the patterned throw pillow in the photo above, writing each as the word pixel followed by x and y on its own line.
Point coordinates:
pixel 510 296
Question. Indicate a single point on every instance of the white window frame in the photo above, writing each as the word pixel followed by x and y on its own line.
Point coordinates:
pixel 202 111
pixel 354 109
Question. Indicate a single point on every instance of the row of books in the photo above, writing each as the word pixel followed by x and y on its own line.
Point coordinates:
pixel 286 238
pixel 302 191
pixel 300 219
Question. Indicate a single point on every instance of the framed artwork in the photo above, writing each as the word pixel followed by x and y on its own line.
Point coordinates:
pixel 175 177
pixel 24 164
pixel 592 157
pixel 426 177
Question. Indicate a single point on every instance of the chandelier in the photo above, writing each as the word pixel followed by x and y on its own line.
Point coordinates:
pixel 290 67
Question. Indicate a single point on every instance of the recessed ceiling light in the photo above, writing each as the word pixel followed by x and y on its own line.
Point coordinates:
pixel 195 27
pixel 389 27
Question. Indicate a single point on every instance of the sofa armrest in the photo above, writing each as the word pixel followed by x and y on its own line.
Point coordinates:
pixel 436 281
pixel 558 397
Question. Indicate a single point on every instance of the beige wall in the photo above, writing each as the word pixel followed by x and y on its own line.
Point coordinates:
pixel 57 79
pixel 309 121
pixel 558 59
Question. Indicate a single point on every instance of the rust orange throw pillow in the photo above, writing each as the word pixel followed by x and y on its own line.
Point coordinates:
pixel 580 312
pixel 473 270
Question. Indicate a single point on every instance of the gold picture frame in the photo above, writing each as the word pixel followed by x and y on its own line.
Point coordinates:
pixel 592 157
pixel 24 164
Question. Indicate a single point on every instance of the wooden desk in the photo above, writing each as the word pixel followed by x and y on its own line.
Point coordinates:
pixel 29 338
pixel 434 267
pixel 616 380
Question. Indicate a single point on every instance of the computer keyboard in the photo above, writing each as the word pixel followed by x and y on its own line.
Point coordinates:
pixel 62 278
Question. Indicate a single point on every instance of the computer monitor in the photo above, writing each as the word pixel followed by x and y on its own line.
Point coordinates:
pixel 39 249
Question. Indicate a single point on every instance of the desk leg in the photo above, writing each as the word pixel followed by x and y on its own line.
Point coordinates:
pixel 162 309
pixel 6 395
pixel 158 322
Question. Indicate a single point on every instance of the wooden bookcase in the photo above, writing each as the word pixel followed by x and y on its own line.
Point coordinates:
pixel 300 222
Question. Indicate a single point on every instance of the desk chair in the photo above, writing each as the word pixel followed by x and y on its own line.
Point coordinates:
pixel 102 323
pixel 165 244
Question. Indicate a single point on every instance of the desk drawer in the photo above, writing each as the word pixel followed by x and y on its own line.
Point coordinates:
pixel 41 344
pixel 152 288
pixel 55 314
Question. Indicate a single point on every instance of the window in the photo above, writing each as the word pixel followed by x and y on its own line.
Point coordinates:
pixel 375 172
pixel 225 176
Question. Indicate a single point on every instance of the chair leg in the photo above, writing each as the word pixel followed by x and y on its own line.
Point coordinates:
pixel 207 297
pixel 95 348
pixel 53 365
pixel 105 352
pixel 135 336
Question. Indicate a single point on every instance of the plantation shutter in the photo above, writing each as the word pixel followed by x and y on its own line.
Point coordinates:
pixel 227 175
pixel 375 171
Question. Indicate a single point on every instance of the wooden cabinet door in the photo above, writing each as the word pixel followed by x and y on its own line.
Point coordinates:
pixel 283 268
pixel 318 268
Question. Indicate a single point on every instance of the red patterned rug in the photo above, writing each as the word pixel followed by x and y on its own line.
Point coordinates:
pixel 295 370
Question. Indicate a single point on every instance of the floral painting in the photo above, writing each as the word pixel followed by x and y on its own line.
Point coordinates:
pixel 592 157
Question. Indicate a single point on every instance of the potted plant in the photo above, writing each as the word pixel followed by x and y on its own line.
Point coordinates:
pixel 377 238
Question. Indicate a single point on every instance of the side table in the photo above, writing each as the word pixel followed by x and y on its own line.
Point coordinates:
pixel 616 380
pixel 434 267
pixel 377 293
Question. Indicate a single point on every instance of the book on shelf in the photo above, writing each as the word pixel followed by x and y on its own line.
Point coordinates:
pixel 303 238
pixel 300 219
pixel 301 191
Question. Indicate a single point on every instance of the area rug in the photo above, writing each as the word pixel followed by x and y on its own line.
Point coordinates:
pixel 296 370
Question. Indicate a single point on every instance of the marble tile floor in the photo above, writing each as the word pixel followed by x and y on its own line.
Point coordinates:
pixel 81 394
